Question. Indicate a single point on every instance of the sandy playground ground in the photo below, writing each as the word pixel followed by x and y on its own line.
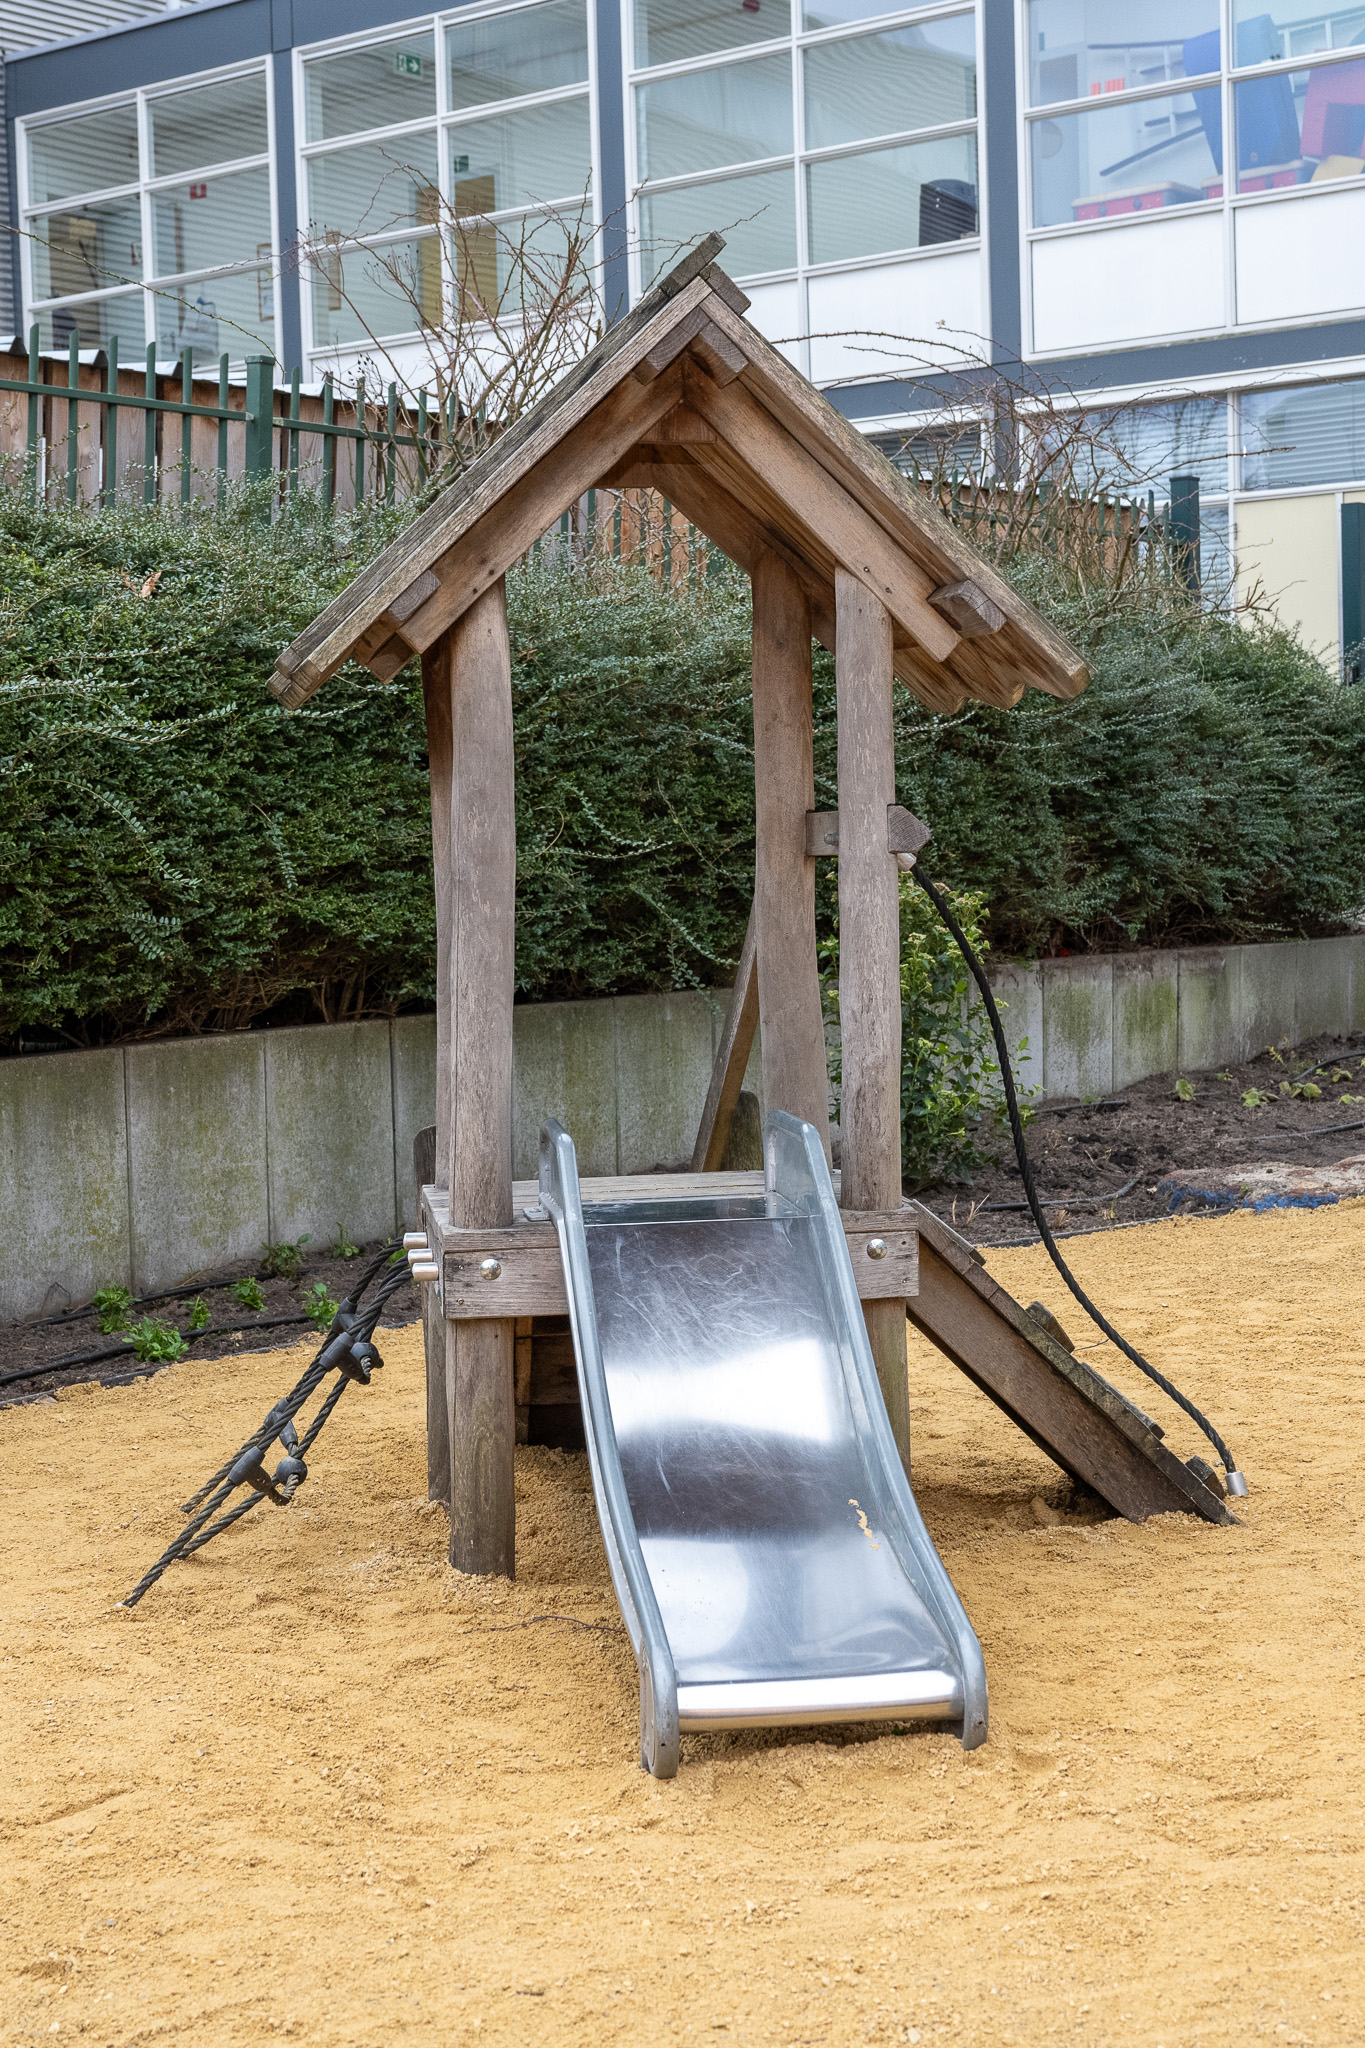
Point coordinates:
pixel 317 1787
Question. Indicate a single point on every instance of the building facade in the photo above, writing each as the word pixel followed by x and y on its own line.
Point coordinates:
pixel 1157 213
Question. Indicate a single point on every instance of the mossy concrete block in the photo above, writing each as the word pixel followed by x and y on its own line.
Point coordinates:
pixel 413 1046
pixel 1018 990
pixel 1208 1008
pixel 63 1180
pixel 564 1066
pixel 663 1069
pixel 196 1156
pixel 1078 1035
pixel 1146 1008
pixel 329 1131
pixel 1357 946
pixel 1267 998
pixel 1322 999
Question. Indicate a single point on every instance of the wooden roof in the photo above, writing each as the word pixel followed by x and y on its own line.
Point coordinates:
pixel 685 395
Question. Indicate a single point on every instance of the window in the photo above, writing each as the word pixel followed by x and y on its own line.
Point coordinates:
pixel 443 161
pixel 150 222
pixel 845 131
pixel 1146 147
pixel 1293 439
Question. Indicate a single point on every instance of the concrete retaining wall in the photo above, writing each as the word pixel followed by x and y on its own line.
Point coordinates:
pixel 1097 1023
pixel 146 1165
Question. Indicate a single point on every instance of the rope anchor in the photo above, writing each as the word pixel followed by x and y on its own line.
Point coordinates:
pixel 347 1351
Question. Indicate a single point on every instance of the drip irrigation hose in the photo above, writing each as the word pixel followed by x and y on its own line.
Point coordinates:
pixel 1236 1481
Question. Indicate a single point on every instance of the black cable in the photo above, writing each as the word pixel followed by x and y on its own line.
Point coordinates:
pixel 1101 1322
pixel 124 1350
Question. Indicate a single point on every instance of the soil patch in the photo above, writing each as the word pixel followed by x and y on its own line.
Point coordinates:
pixel 1099 1165
pixel 38 1355
pixel 317 1787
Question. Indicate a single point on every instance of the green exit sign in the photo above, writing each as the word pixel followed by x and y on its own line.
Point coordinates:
pixel 407 63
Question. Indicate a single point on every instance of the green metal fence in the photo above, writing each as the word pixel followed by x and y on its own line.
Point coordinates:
pixel 383 425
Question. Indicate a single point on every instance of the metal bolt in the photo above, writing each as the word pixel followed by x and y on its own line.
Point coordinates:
pixel 876 1247
pixel 490 1268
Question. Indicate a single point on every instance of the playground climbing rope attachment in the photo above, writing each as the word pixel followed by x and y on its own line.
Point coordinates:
pixel 347 1351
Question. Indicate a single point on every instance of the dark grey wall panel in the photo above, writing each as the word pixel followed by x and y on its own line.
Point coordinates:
pixel 1000 151
pixel 197 39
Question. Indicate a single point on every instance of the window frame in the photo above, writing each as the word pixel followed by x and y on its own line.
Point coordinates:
pixel 794 43
pixel 1225 80
pixel 151 283
pixel 439 123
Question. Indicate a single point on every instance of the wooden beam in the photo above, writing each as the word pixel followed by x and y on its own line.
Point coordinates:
pixel 795 1076
pixel 965 605
pixel 322 647
pixel 869 954
pixel 483 554
pixel 732 1057
pixel 1069 1411
pixel 825 508
pixel 483 863
pixel 437 704
pixel 905 512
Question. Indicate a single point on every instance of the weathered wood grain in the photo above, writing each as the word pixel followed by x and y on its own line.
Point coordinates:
pixel 1067 1409
pixel 483 865
pixel 869 904
pixel 869 954
pixel 732 1057
pixel 860 545
pixel 791 1026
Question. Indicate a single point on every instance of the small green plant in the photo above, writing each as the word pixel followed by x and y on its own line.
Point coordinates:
pixel 282 1261
pixel 1224 1076
pixel 1184 1091
pixel 111 1305
pixel 199 1313
pixel 319 1306
pixel 156 1343
pixel 343 1248
pixel 248 1293
pixel 1254 1098
pixel 1351 1100
pixel 1309 1091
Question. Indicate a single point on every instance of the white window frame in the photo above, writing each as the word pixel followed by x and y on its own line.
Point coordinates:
pixel 1226 80
pixel 794 44
pixel 144 188
pixel 325 355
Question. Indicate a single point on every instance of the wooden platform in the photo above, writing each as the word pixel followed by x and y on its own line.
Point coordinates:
pixel 1070 1411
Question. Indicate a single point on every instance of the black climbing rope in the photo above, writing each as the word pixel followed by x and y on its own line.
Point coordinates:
pixel 346 1350
pixel 1236 1481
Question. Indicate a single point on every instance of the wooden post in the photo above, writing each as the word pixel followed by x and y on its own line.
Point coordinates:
pixel 483 872
pixel 791 1029
pixel 436 700
pixel 869 954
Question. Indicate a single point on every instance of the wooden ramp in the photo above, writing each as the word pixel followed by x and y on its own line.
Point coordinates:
pixel 1092 1430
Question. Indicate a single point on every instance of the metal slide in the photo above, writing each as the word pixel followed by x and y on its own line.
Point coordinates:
pixel 770 1561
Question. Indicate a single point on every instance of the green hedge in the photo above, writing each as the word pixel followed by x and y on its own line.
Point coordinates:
pixel 177 854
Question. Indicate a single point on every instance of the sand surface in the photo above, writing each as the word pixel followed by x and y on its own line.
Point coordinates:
pixel 317 1787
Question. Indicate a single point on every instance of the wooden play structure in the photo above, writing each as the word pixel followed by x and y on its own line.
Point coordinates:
pixel 685 396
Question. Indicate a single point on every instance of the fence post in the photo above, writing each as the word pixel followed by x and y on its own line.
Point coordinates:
pixel 1353 593
pixel 1183 531
pixel 260 417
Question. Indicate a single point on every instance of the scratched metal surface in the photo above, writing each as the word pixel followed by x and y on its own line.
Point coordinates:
pixel 739 1446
